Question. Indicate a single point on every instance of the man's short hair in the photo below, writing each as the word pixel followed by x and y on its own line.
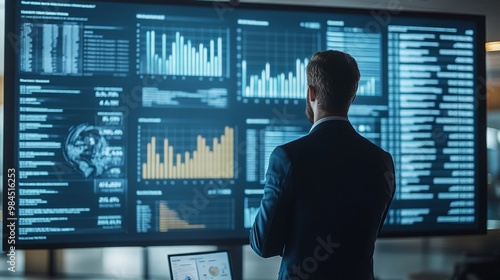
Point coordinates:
pixel 335 76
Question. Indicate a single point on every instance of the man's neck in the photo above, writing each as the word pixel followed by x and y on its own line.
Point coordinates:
pixel 331 117
pixel 321 115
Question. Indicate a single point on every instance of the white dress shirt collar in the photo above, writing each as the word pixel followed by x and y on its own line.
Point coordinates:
pixel 325 119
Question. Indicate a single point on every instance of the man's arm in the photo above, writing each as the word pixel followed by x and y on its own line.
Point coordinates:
pixel 390 179
pixel 273 220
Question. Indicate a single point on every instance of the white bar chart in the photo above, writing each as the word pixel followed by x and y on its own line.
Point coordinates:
pixel 291 85
pixel 273 64
pixel 183 53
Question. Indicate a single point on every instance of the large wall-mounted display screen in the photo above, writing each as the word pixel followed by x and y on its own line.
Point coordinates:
pixel 151 123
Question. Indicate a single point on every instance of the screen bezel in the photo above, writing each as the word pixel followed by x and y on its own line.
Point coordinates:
pixel 11 118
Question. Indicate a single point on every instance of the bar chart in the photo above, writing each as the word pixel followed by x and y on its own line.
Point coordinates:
pixel 367 87
pixel 366 49
pixel 169 219
pixel 273 64
pixel 199 52
pixel 188 154
pixel 179 214
pixel 284 85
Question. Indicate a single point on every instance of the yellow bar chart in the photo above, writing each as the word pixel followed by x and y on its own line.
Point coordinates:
pixel 170 220
pixel 202 163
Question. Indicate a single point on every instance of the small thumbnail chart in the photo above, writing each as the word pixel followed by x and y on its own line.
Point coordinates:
pixel 183 51
pixel 186 153
pixel 365 47
pixel 273 63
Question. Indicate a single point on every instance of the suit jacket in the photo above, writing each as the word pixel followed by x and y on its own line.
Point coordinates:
pixel 325 199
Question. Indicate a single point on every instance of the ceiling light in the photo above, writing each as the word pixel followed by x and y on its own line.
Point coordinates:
pixel 493 46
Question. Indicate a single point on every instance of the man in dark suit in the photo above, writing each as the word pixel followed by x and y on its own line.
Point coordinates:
pixel 326 194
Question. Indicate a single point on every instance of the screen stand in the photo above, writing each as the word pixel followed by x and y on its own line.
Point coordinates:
pixel 43 262
pixel 236 253
pixel 145 263
pixel 52 263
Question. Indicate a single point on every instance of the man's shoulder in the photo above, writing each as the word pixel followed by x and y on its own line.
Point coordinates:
pixel 370 144
pixel 297 143
pixel 349 139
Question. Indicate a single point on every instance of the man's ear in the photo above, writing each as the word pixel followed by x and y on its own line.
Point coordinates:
pixel 353 98
pixel 312 93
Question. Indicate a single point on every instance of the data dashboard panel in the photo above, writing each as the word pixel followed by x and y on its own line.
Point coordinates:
pixel 154 126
